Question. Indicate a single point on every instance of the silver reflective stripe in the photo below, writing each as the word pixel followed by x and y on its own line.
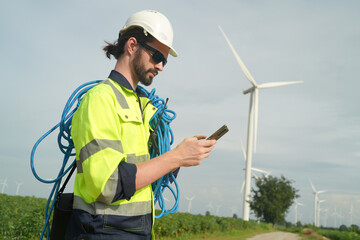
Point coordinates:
pixel 132 158
pixel 120 98
pixel 108 194
pixel 126 209
pixel 95 146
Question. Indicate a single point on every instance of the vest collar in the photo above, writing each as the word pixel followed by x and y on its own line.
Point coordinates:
pixel 122 81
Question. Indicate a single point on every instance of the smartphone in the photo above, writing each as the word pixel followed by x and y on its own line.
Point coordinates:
pixel 219 133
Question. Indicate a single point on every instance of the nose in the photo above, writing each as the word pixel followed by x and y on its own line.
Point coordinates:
pixel 159 66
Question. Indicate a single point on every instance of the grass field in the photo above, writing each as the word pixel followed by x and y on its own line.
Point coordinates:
pixel 22 218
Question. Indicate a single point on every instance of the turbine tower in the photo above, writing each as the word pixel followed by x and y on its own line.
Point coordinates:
pixel 218 206
pixel 316 193
pixel 18 184
pixel 351 214
pixel 336 215
pixel 319 210
pixel 296 210
pixel 190 200
pixel 4 185
pixel 210 206
pixel 253 120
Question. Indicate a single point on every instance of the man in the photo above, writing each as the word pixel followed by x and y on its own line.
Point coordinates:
pixel 113 198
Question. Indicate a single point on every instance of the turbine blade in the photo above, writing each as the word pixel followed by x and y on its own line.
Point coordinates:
pixel 243 150
pixel 258 170
pixel 242 65
pixel 312 186
pixel 242 187
pixel 322 191
pixel 256 112
pixel 277 84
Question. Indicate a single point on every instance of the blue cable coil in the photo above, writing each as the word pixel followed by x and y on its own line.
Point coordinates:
pixel 165 138
pixel 163 117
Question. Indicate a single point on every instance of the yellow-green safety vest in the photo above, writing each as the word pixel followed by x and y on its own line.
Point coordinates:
pixel 114 129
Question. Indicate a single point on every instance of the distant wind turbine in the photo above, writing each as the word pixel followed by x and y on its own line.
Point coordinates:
pixel 18 187
pixel 336 215
pixel 190 200
pixel 316 193
pixel 296 209
pixel 210 206
pixel 253 121
pixel 319 210
pixel 326 215
pixel 4 185
pixel 217 209
pixel 233 210
pixel 351 213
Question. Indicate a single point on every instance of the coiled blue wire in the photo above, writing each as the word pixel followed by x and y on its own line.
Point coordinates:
pixel 165 140
pixel 67 149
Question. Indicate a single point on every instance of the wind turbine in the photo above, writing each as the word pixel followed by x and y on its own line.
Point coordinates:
pixel 316 193
pixel 233 210
pixel 336 215
pixel 210 206
pixel 296 210
pixel 4 185
pixel 217 209
pixel 253 121
pixel 326 215
pixel 351 213
pixel 190 200
pixel 318 211
pixel 18 187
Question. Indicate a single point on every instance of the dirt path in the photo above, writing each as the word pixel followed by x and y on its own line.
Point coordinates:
pixel 276 236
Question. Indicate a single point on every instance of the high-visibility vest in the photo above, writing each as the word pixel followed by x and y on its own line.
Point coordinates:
pixel 109 127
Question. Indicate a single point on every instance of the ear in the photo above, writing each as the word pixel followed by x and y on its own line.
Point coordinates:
pixel 131 45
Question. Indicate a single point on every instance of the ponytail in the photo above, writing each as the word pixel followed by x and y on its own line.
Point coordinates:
pixel 117 48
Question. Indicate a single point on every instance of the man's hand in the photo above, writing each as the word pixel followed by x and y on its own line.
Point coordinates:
pixel 188 153
pixel 191 151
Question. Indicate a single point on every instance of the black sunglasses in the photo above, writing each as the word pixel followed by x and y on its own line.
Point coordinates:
pixel 156 56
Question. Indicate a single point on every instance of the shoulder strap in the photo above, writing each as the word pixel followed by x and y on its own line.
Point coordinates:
pixel 67 180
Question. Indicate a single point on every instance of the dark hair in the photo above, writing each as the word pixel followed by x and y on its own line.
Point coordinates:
pixel 117 48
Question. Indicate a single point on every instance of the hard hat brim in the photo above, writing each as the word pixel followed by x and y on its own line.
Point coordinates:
pixel 172 52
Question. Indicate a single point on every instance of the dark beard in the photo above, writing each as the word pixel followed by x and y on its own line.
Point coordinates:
pixel 140 70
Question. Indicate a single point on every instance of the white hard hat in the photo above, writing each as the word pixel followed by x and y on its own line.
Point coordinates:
pixel 154 23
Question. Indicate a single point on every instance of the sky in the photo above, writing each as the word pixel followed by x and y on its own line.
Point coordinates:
pixel 306 132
